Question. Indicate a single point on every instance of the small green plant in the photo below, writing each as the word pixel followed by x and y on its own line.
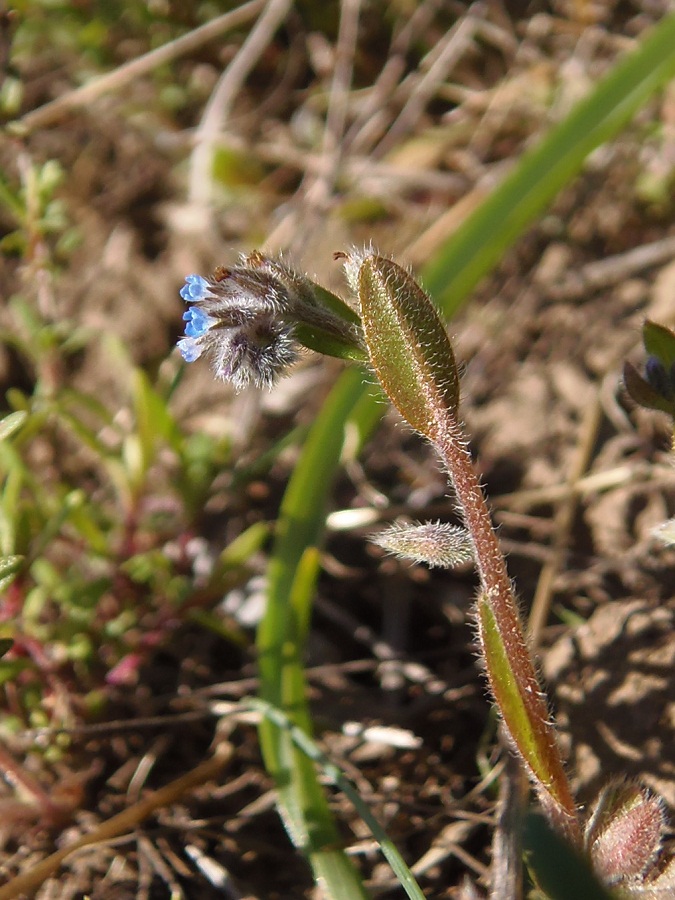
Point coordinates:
pixel 40 229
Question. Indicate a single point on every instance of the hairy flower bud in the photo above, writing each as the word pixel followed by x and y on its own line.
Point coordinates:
pixel 434 543
pixel 624 833
pixel 237 319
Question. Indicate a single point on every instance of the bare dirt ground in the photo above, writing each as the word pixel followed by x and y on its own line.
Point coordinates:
pixel 577 478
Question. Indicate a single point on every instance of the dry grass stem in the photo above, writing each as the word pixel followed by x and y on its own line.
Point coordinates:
pixel 318 192
pixel 125 821
pixel 116 79
pixel 421 89
pixel 217 110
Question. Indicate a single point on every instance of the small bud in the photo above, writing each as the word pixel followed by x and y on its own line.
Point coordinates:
pixel 434 543
pixel 624 832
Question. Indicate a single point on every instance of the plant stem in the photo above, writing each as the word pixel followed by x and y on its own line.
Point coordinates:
pixel 546 766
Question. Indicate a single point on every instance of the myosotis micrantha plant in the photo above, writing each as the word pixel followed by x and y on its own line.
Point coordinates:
pixel 252 319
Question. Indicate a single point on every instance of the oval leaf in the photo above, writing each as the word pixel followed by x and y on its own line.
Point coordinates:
pixel 408 345
pixel 520 704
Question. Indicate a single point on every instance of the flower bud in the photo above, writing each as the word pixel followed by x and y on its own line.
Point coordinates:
pixel 624 832
pixel 433 543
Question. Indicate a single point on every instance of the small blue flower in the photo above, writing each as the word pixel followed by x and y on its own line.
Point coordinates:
pixel 195 288
pixel 198 322
pixel 243 319
pixel 190 350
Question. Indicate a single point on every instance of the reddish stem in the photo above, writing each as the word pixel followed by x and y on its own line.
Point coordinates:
pixel 451 444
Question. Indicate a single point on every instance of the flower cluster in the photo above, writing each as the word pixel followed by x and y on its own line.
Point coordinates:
pixel 250 320
pixel 238 318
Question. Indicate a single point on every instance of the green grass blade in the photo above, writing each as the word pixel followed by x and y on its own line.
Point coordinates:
pixel 292 574
pixel 496 224
pixel 307 746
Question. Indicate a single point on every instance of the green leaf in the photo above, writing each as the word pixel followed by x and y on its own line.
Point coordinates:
pixel 659 341
pixel 529 732
pixel 10 566
pixel 315 338
pixel 407 344
pixel 239 551
pixel 154 422
pixel 335 304
pixel 561 872
pixel 12 669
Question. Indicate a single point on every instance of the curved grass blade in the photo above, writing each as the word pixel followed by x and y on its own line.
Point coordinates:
pixel 496 224
pixel 307 746
pixel 292 577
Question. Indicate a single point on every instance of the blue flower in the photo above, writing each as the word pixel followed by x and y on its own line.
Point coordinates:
pixel 241 319
pixel 195 288
pixel 249 320
pixel 190 350
pixel 198 322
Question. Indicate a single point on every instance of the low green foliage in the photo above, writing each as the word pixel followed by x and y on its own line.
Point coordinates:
pixel 95 577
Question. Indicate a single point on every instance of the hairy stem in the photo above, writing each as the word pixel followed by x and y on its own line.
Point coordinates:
pixel 548 774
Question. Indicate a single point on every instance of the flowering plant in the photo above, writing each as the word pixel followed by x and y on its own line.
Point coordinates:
pixel 251 321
